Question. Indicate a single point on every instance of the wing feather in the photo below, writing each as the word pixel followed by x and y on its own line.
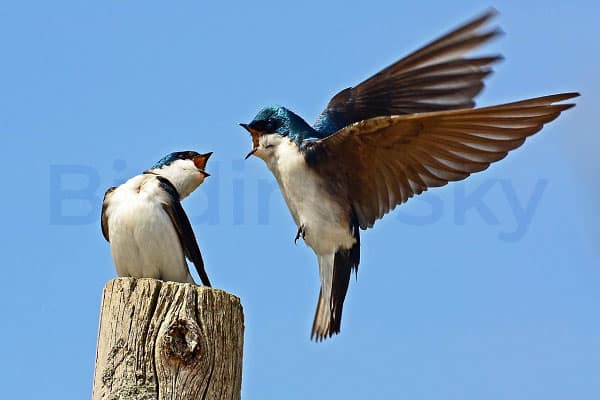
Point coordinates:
pixel 104 214
pixel 436 77
pixel 184 230
pixel 389 159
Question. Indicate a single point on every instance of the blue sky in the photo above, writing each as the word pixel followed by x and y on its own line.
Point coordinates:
pixel 486 289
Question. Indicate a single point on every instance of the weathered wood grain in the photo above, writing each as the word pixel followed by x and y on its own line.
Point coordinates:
pixel 167 340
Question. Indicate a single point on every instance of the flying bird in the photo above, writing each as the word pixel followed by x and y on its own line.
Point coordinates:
pixel 149 233
pixel 410 127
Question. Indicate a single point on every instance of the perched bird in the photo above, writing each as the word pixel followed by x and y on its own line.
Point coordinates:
pixel 407 128
pixel 149 233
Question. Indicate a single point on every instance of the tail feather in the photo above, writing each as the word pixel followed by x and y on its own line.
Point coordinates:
pixel 321 325
pixel 335 273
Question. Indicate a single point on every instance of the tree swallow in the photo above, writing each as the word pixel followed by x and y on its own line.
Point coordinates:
pixel 149 233
pixel 409 127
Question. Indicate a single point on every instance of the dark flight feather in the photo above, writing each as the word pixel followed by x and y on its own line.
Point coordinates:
pixel 184 230
pixel 387 160
pixel 103 216
pixel 436 77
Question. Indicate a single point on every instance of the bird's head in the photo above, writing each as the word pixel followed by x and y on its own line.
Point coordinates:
pixel 184 169
pixel 273 126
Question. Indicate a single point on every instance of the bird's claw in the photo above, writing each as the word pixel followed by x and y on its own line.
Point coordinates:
pixel 300 232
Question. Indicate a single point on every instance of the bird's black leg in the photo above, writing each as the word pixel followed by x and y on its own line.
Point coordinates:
pixel 300 232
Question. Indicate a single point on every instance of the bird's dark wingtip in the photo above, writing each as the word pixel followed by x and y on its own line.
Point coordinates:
pixel 489 13
pixel 497 32
pixel 556 98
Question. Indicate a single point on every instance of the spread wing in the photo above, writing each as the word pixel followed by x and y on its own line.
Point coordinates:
pixel 184 229
pixel 104 216
pixel 433 78
pixel 384 161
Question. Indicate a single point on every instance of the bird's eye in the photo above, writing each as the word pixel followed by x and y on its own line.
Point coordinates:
pixel 270 125
pixel 269 146
pixel 259 126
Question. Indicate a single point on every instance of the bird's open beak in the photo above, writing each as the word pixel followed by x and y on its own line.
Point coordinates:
pixel 250 153
pixel 255 135
pixel 200 162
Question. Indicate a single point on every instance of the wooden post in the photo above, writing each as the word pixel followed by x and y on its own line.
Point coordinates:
pixel 166 340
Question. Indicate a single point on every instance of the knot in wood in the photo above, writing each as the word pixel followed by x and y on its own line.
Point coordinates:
pixel 181 340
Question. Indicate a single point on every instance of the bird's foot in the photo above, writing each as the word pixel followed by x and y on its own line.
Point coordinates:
pixel 300 232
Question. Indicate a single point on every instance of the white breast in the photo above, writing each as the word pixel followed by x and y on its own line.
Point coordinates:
pixel 144 243
pixel 325 220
